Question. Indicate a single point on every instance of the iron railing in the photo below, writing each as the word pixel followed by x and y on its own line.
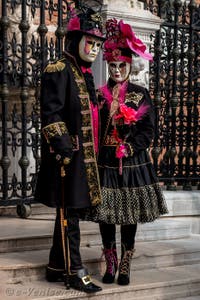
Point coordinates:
pixel 175 89
pixel 174 85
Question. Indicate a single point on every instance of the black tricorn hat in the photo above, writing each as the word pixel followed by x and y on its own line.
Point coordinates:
pixel 85 20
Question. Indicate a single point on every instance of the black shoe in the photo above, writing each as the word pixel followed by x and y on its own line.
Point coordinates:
pixel 81 281
pixel 108 278
pixel 54 275
pixel 123 279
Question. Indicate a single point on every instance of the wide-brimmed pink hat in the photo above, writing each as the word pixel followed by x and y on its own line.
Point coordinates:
pixel 121 42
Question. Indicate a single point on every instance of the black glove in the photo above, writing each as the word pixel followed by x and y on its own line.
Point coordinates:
pixel 123 130
pixel 62 149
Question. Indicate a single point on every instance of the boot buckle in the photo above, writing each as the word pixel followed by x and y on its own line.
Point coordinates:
pixel 86 279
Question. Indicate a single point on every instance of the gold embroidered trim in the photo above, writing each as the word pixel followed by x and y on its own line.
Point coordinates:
pixel 89 160
pixel 134 97
pixel 55 67
pixel 132 166
pixel 85 112
pixel 130 148
pixel 88 140
pixel 97 18
pixel 110 141
pixel 87 144
pixel 66 252
pixel 75 142
pixel 53 129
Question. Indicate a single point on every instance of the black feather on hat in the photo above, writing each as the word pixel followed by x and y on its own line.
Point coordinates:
pixel 86 20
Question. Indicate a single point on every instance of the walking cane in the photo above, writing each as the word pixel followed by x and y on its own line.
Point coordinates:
pixel 64 231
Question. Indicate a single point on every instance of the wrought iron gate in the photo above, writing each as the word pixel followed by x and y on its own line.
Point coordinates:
pixel 175 89
pixel 32 32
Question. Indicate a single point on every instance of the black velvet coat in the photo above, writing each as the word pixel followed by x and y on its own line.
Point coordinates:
pixel 67 131
pixel 141 134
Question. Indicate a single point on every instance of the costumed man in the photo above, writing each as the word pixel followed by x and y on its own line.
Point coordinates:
pixel 130 188
pixel 69 115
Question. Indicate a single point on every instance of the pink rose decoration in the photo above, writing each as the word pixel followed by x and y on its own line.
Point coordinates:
pixel 133 42
pixel 129 35
pixel 121 35
pixel 126 113
pixel 130 115
pixel 74 24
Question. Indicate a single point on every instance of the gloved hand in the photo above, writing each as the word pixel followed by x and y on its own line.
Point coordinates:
pixel 63 150
pixel 123 130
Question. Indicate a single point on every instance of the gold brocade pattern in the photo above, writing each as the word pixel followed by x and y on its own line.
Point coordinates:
pixel 55 67
pixel 130 205
pixel 53 129
pixel 110 141
pixel 88 144
pixel 87 134
pixel 134 98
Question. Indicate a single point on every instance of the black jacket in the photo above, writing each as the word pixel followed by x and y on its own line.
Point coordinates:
pixel 140 135
pixel 67 132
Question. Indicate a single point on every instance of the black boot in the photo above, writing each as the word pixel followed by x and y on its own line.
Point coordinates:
pixel 124 268
pixel 111 265
pixel 81 281
pixel 53 275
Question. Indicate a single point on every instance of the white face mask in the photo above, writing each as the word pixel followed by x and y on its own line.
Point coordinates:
pixel 89 47
pixel 119 70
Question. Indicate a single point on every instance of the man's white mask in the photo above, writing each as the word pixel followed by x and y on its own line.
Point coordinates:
pixel 119 70
pixel 89 48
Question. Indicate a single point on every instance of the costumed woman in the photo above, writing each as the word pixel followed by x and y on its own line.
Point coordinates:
pixel 68 177
pixel 130 189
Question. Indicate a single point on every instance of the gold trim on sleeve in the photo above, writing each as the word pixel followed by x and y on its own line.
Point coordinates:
pixel 53 129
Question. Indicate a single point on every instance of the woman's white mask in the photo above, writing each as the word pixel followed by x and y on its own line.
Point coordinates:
pixel 119 70
pixel 89 48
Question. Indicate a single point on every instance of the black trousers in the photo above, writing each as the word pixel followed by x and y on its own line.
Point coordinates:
pixel 56 257
pixel 108 234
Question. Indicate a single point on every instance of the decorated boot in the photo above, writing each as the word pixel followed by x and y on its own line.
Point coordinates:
pixel 124 267
pixel 111 265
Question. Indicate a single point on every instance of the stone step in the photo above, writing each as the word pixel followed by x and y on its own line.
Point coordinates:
pixel 154 284
pixel 183 203
pixel 189 298
pixel 36 232
pixel 179 203
pixel 21 266
pixel 36 209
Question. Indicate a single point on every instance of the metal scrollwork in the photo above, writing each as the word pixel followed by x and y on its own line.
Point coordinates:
pixel 32 33
pixel 174 87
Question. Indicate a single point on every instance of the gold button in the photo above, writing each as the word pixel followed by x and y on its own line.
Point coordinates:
pixel 66 160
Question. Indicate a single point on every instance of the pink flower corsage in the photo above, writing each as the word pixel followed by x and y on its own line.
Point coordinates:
pixel 126 115
pixel 121 151
pixel 129 115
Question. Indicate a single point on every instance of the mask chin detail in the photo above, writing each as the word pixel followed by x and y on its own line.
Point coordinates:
pixel 119 70
pixel 89 48
pixel 87 58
